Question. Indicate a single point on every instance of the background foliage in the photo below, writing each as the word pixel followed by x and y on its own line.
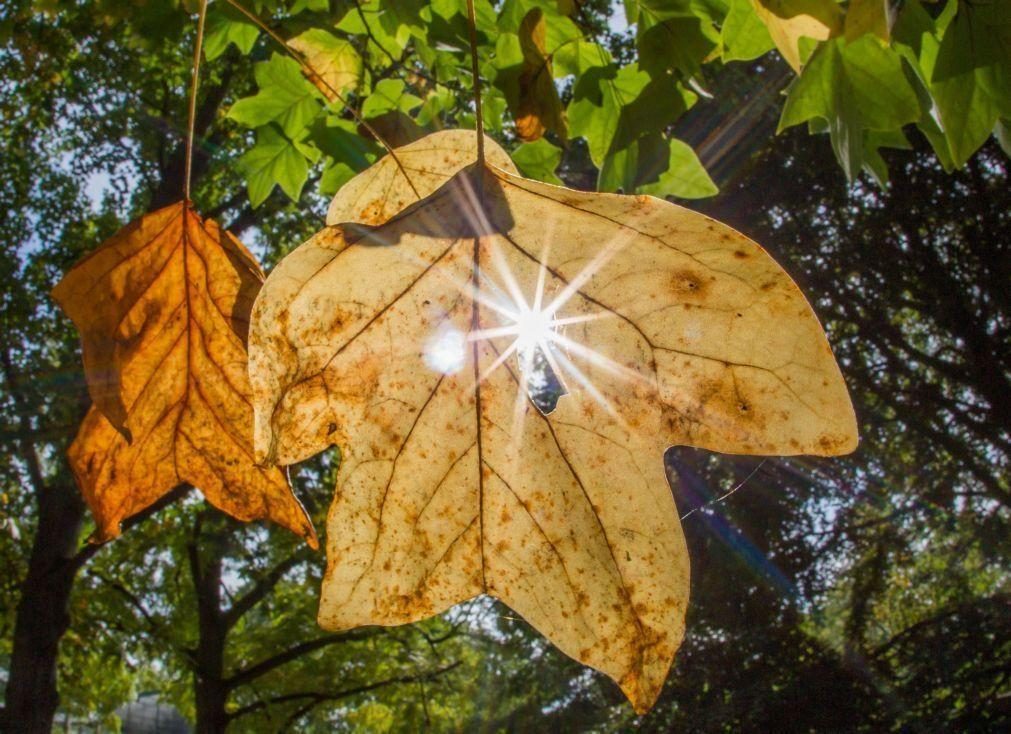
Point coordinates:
pixel 867 593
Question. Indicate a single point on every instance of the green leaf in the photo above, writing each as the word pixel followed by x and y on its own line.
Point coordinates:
pixel 685 176
pixel 744 35
pixel 867 16
pixel 852 87
pixel 631 11
pixel 560 28
pixel 577 57
pixel 1002 131
pixel 390 95
pixel 715 11
pixel 339 140
pixel 621 170
pixel 539 160
pixel 274 160
pixel 612 107
pixel 971 78
pixel 438 102
pixel 334 176
pixel 450 25
pixel 316 6
pixel 226 25
pixel 671 36
pixel 493 106
pixel 874 164
pixel 914 38
pixel 366 19
pixel 285 97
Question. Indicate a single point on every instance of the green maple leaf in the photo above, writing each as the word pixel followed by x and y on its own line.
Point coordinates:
pixel 685 177
pixel 744 35
pixel 285 97
pixel 539 160
pixel 224 26
pixel 853 88
pixel 971 77
pixel 276 160
pixel 613 108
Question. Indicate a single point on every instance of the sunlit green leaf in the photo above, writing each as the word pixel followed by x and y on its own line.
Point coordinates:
pixel 579 56
pixel 539 160
pixel 390 95
pixel 852 87
pixel 685 177
pixel 612 107
pixel 318 6
pixel 274 160
pixel 285 97
pixel 671 36
pixel 744 35
pixel 873 142
pixel 971 79
pixel 1002 131
pixel 224 26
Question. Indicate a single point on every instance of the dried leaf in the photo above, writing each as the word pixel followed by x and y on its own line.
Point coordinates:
pixel 163 310
pixel 382 191
pixel 790 20
pixel 539 107
pixel 335 63
pixel 409 345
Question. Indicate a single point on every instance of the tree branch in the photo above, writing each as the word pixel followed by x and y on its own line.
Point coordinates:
pixel 90 549
pixel 318 697
pixel 295 652
pixel 260 589
pixel 24 412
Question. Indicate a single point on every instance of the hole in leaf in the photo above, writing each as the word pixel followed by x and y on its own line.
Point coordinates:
pixel 540 380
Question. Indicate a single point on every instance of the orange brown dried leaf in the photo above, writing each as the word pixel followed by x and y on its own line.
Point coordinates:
pixel 163 311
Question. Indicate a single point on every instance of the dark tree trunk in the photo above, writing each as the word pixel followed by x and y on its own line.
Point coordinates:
pixel 43 613
pixel 210 688
pixel 211 695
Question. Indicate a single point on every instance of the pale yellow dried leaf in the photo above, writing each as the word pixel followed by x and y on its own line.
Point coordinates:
pixel 450 488
pixel 383 190
pixel 163 311
pixel 335 64
pixel 790 20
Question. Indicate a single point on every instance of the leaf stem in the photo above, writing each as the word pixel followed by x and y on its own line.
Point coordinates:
pixel 194 85
pixel 304 63
pixel 472 27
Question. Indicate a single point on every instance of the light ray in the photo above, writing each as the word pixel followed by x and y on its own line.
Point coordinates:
pixel 499 361
pixel 599 360
pixel 531 327
pixel 592 389
pixel 599 260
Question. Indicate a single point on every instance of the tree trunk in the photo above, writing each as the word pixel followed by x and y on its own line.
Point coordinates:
pixel 211 695
pixel 210 688
pixel 43 613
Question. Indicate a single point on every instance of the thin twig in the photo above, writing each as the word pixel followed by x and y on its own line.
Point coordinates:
pixel 194 84
pixel 395 62
pixel 472 27
pixel 304 63
pixel 726 494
